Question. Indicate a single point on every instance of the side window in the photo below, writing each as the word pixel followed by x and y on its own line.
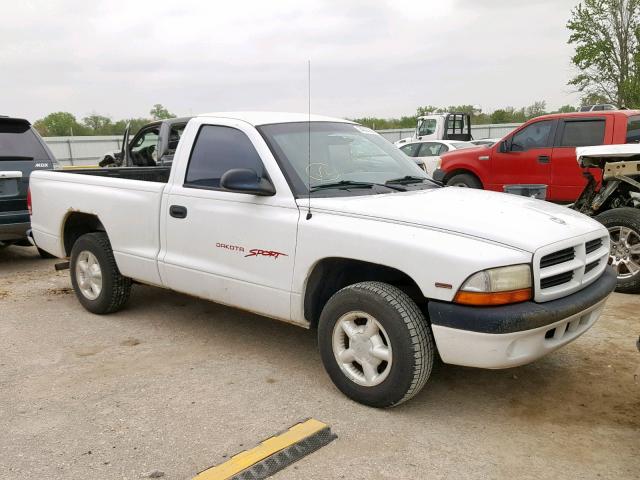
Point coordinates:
pixel 427 127
pixel 443 148
pixel 429 149
pixel 582 133
pixel 411 150
pixel 217 150
pixel 536 135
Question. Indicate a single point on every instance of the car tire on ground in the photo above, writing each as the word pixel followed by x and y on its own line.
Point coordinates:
pixel 464 180
pixel 96 280
pixel 624 228
pixel 44 253
pixel 375 344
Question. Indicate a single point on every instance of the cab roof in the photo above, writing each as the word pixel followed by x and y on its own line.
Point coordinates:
pixel 600 113
pixel 266 118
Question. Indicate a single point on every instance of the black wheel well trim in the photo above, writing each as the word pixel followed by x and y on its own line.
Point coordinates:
pixel 77 224
pixel 331 274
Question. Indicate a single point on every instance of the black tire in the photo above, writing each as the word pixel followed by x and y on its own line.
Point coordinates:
pixel 408 334
pixel 44 254
pixel 464 180
pixel 115 287
pixel 627 218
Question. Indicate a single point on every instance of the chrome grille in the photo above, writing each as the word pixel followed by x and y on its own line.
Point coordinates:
pixel 566 267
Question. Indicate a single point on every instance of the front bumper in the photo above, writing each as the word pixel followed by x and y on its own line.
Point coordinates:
pixel 438 175
pixel 512 335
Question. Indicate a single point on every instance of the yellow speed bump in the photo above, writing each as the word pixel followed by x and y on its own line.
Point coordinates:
pixel 273 454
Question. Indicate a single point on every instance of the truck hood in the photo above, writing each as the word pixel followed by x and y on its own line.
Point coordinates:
pixel 518 222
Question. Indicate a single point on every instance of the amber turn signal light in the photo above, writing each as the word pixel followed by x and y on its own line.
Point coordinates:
pixel 493 298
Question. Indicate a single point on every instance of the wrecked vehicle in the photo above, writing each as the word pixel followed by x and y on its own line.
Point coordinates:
pixel 616 204
pixel 153 145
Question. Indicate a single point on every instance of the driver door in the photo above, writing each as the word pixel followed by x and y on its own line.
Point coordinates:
pixel 233 248
pixel 524 157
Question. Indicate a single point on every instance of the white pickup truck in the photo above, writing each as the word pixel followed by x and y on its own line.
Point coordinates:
pixel 324 224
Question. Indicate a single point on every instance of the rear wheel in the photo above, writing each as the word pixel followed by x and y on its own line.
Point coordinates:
pixel 375 344
pixel 624 228
pixel 464 180
pixel 96 280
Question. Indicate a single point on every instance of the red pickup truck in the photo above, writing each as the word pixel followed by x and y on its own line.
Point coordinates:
pixel 541 151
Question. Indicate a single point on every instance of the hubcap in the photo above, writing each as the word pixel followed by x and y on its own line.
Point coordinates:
pixel 88 275
pixel 625 251
pixel 362 348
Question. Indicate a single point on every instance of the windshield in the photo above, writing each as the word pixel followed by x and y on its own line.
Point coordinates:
pixel 341 154
pixel 461 145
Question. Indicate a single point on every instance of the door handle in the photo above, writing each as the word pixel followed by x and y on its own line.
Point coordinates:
pixel 178 211
pixel 543 159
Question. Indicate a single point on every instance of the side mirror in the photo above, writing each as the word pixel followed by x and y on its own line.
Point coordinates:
pixel 505 146
pixel 245 180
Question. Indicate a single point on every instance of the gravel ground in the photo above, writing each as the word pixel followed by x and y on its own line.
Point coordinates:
pixel 177 384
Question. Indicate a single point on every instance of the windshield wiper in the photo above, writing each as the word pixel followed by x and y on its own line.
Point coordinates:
pixel 408 179
pixel 345 184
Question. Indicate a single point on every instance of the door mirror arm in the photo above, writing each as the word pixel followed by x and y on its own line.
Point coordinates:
pixel 245 180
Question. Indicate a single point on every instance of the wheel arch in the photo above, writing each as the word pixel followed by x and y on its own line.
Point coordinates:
pixel 331 274
pixel 77 224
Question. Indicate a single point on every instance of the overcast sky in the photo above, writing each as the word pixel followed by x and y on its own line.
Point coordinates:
pixel 378 58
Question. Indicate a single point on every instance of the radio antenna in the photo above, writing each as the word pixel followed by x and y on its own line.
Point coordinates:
pixel 309 139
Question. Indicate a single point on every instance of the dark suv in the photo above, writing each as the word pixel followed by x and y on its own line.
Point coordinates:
pixel 22 151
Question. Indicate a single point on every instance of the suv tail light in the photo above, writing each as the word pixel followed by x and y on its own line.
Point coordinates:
pixel 29 201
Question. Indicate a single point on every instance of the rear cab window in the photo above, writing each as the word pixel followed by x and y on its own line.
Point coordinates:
pixel 218 149
pixel 633 129
pixel 582 133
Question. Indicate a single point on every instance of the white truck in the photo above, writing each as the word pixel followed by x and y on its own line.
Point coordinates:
pixel 322 223
pixel 441 126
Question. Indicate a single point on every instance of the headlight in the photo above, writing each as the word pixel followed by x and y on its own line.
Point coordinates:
pixel 497 286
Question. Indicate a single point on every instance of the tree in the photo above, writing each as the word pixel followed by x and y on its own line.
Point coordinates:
pixel 59 124
pixel 566 109
pixel 158 112
pixel 98 124
pixel 536 109
pixel 500 116
pixel 606 36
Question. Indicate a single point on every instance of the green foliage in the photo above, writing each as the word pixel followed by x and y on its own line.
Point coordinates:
pixel 478 117
pixel 606 36
pixel 158 112
pixel 63 124
pixel 59 124
pixel 567 109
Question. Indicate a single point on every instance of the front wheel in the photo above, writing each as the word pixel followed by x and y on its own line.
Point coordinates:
pixel 464 180
pixel 375 344
pixel 96 280
pixel 624 229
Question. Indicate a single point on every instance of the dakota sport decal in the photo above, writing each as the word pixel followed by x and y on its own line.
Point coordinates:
pixel 254 252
